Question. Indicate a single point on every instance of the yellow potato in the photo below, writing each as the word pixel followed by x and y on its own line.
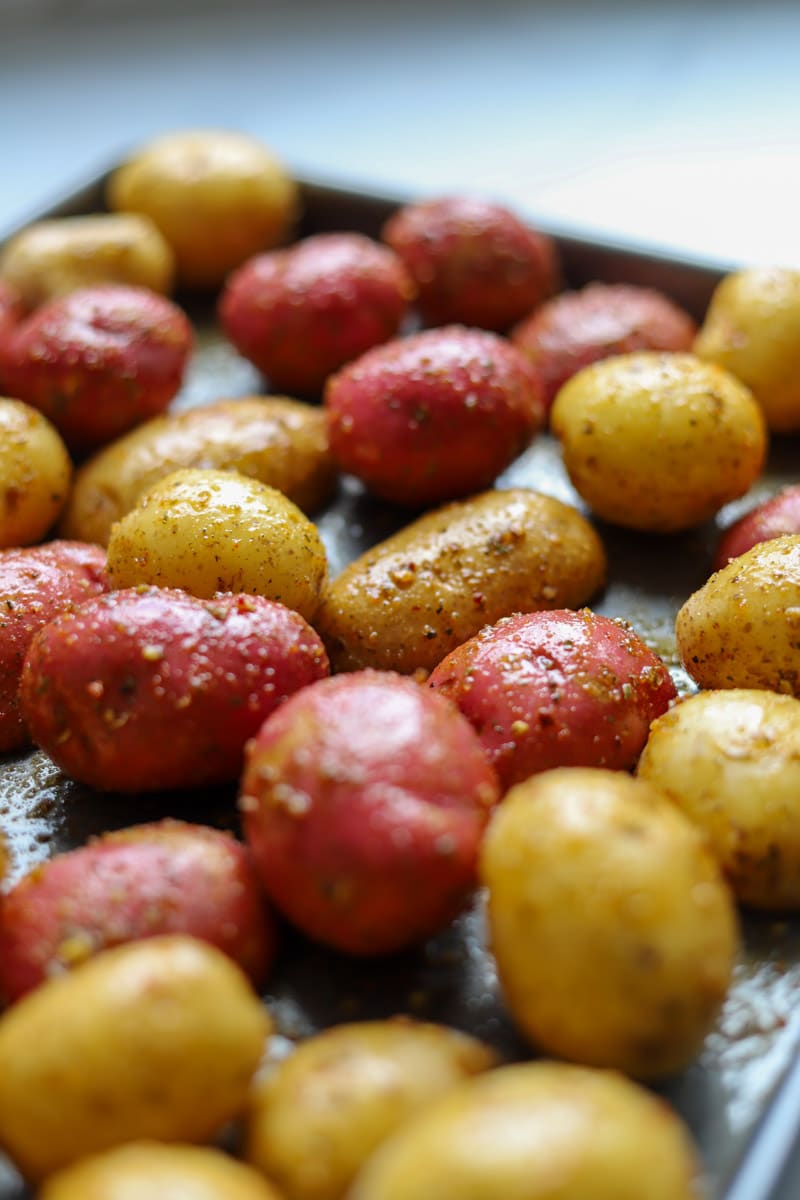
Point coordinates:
pixel 412 599
pixel 155 1039
pixel 658 442
pixel 731 761
pixel 741 629
pixel 752 327
pixel 281 442
pixel 341 1093
pixel 217 197
pixel 537 1131
pixel 613 930
pixel 218 531
pixel 51 258
pixel 35 473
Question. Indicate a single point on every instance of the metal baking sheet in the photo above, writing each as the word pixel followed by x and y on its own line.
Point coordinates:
pixel 741 1098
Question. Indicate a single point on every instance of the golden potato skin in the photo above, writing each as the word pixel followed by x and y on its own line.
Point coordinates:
pixel 216 196
pixel 271 438
pixel 413 598
pixel 656 441
pixel 613 930
pixel 218 531
pixel 537 1131
pixel 752 327
pixel 35 474
pixel 155 1039
pixel 341 1093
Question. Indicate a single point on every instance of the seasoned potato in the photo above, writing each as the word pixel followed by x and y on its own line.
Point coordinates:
pixel 773 518
pixel 35 473
pixel 537 1131
pixel 218 531
pixel 156 1039
pixel 658 442
pixel 413 598
pixel 340 1094
pixel 613 930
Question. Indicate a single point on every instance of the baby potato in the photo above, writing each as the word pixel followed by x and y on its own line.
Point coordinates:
pixel 537 1131
pixel 11 311
pixel 613 930
pixel 658 442
pixel 217 531
pixel 156 1039
pixel 216 196
pixel 340 1094
pixel 5 857
pixel 773 518
pixel 35 473
pixel 51 258
pixel 413 598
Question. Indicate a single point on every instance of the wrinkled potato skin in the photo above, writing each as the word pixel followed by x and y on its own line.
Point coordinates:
pixel 633 980
pixel 157 1039
pixel 413 598
pixel 276 440
pixel 35 474
pixel 537 1131
pixel 341 1093
pixel 51 258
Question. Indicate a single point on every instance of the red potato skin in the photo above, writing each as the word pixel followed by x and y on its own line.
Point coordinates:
pixel 299 314
pixel 774 518
pixel 435 416
pixel 163 878
pixel 556 689
pixel 36 584
pixel 364 805
pixel 98 361
pixel 148 689
pixel 473 261
pixel 11 313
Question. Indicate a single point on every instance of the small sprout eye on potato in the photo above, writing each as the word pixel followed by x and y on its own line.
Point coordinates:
pixel 35 474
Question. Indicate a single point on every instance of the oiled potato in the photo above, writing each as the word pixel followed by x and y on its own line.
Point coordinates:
pixel 155 1039
pixel 341 1093
pixel 35 473
pixel 218 531
pixel 537 1131
pixel 613 930
pixel 731 761
pixel 416 596
pixel 658 441
pixel 279 441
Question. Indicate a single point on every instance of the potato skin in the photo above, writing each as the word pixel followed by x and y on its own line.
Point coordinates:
pixel 341 1093
pixel 413 598
pixel 276 440
pixel 773 518
pixel 101 685
pixel 155 1039
pixel 364 799
pixel 658 442
pixel 556 689
pixel 654 950
pixel 35 474
pixel 538 1131
pixel 11 312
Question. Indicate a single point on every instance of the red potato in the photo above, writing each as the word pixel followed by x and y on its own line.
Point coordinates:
pixel 364 800
pixel 11 312
pixel 301 313
pixel 557 689
pixel 473 261
pixel 149 689
pixel 774 518
pixel 435 416
pixel 167 877
pixel 36 584
pixel 98 361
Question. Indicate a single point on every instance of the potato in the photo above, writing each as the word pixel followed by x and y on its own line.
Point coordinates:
pixel 772 518
pixel 537 1131
pixel 413 598
pixel 658 442
pixel 11 313
pixel 340 1094
pixel 612 928
pixel 35 473
pixel 216 196
pixel 212 531
pixel 742 628
pixel 51 258
pixel 156 1039
pixel 5 857
pixel 276 440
